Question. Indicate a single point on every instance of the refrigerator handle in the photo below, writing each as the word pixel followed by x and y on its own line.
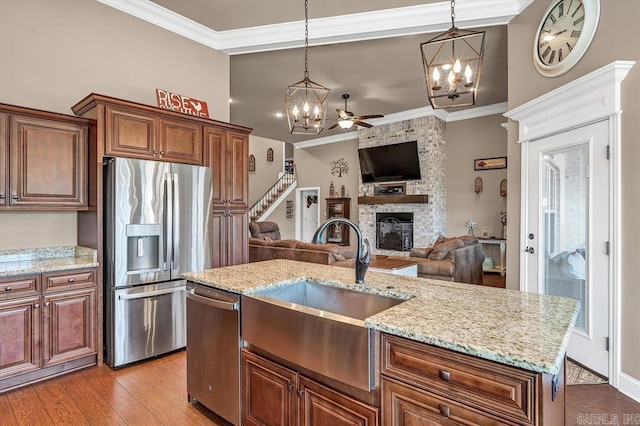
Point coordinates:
pixel 175 238
pixel 168 235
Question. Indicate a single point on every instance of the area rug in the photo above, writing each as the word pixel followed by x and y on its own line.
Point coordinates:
pixel 578 375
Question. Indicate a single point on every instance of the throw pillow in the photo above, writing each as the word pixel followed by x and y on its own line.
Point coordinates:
pixel 440 251
pixel 267 238
pixel 420 252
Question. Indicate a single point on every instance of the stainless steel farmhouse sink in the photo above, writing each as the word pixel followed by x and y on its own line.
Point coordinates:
pixel 318 327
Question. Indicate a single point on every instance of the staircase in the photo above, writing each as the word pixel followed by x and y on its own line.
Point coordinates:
pixel 274 196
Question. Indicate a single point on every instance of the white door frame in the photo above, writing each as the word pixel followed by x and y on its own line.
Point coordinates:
pixel 593 97
pixel 298 209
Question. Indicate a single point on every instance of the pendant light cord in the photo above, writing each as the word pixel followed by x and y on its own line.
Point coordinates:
pixel 453 13
pixel 306 39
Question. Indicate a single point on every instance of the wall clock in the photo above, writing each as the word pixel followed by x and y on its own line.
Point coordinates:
pixel 564 35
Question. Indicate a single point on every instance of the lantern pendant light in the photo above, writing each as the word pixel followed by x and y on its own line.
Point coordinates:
pixel 452 65
pixel 306 101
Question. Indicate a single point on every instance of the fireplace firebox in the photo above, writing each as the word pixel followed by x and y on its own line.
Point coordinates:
pixel 394 231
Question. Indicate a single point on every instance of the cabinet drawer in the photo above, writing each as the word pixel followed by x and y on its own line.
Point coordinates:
pixel 403 404
pixel 28 285
pixel 487 385
pixel 68 280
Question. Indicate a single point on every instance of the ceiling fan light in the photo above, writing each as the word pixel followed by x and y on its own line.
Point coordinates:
pixel 345 124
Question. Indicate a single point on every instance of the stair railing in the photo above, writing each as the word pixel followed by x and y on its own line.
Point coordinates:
pixel 273 193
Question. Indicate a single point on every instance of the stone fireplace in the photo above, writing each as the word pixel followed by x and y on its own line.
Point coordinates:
pixel 428 218
pixel 394 231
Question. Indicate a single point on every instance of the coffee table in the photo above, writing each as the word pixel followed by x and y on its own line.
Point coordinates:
pixel 393 265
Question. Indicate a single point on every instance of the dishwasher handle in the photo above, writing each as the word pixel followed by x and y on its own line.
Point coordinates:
pixel 215 303
pixel 150 293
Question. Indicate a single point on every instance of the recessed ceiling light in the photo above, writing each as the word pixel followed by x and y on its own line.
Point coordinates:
pixel 279 114
pixel 231 100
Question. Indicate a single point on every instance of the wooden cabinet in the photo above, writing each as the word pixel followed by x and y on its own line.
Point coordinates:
pixel 230 237
pixel 276 395
pixel 437 386
pixel 338 233
pixel 4 158
pixel 48 324
pixel 139 134
pixel 228 158
pixel 47 160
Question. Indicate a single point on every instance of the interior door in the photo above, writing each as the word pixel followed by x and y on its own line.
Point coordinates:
pixel 567 200
pixel 307 213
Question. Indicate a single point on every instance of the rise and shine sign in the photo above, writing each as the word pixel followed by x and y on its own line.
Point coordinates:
pixel 182 104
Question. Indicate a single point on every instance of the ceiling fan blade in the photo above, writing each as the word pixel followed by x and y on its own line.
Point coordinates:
pixel 334 126
pixel 341 113
pixel 364 117
pixel 349 113
pixel 362 123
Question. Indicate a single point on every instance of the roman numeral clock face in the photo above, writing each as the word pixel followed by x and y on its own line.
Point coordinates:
pixel 564 34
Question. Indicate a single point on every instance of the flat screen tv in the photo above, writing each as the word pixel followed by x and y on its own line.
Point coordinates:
pixel 388 163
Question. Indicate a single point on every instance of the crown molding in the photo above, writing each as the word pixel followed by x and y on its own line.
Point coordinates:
pixel 418 19
pixel 411 114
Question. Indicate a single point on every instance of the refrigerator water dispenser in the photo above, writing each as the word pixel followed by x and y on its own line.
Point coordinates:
pixel 144 248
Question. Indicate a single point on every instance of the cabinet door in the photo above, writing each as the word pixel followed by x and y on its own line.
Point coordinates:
pixel 181 141
pixel 405 405
pixel 320 405
pixel 69 326
pixel 215 142
pixel 237 237
pixel 219 238
pixel 237 170
pixel 4 159
pixel 19 336
pixel 268 392
pixel 131 133
pixel 48 163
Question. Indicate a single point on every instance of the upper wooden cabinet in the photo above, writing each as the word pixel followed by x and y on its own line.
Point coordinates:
pixel 138 134
pixel 4 158
pixel 47 160
pixel 229 159
pixel 129 129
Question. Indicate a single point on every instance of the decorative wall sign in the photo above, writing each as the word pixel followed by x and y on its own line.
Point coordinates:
pixel 289 211
pixel 490 163
pixel 339 167
pixel 252 163
pixel 503 188
pixel 269 154
pixel 180 103
pixel 478 185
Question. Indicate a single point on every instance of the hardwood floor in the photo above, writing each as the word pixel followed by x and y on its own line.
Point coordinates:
pixel 155 393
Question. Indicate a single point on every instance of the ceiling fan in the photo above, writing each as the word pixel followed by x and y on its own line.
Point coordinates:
pixel 346 118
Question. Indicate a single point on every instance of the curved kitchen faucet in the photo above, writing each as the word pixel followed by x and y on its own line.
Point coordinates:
pixel 362 260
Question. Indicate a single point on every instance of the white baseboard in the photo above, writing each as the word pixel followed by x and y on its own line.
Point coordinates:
pixel 629 386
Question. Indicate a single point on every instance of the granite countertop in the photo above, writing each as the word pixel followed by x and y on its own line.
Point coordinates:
pixel 48 259
pixel 525 330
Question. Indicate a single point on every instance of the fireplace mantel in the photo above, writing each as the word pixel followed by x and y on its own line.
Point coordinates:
pixel 395 199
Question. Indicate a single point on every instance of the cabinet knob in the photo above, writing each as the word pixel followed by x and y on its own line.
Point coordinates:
pixel 47 303
pixel 71 280
pixel 15 196
pixel 9 288
pixel 2 197
pixel 300 392
pixel 445 375
pixel 444 410
pixel 290 385
pixel 36 306
pixel 155 151
pixel 161 152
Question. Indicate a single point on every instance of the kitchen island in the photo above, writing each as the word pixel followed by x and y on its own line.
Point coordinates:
pixel 520 333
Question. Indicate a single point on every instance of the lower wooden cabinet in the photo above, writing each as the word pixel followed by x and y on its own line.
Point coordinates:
pixel 275 395
pixel 425 385
pixel 46 329
pixel 19 336
pixel 230 237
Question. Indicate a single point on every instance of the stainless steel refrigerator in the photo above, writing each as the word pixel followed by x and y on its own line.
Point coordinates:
pixel 157 225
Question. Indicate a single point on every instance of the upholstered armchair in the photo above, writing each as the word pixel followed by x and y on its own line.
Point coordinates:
pixel 264 230
pixel 451 259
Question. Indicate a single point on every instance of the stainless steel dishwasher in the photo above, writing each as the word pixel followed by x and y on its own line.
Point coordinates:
pixel 213 350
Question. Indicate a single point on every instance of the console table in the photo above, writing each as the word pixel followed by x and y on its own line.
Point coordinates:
pixel 495 276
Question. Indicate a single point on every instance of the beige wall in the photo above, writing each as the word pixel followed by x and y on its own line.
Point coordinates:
pixel 54 53
pixel 466 141
pixel 617 38
pixel 266 173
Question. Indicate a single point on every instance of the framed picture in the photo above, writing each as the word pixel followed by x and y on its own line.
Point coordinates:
pixel 490 163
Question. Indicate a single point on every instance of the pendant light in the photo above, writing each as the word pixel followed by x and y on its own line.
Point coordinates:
pixel 452 65
pixel 306 101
